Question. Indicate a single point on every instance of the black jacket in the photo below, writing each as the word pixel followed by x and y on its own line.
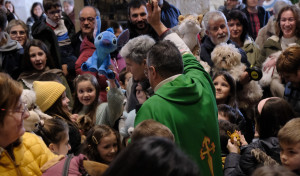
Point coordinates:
pixel 263 17
pixel 151 32
pixel 247 162
pixel 76 42
pixel 43 32
pixel 11 54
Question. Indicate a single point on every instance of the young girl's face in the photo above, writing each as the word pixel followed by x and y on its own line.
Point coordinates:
pixel 108 148
pixel 38 58
pixel 63 147
pixel 222 88
pixel 65 101
pixel 221 116
pixel 86 92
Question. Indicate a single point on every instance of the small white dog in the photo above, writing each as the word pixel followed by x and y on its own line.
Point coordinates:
pixel 271 77
pixel 227 57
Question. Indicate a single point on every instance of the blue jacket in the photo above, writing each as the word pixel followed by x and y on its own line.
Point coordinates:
pixel 169 15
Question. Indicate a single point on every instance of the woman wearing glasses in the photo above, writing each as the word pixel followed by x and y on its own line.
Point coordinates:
pixel 20 153
pixel 287 34
pixel 18 31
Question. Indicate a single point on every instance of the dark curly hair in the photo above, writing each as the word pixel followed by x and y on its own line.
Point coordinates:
pixel 241 16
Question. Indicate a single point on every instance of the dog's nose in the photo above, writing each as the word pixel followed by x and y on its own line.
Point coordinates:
pixel 224 58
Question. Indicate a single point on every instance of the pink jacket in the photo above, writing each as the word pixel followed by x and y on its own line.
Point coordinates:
pixel 75 168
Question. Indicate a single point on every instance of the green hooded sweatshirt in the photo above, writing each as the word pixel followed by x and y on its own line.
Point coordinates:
pixel 188 107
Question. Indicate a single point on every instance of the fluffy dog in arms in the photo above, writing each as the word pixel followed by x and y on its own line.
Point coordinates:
pixel 227 57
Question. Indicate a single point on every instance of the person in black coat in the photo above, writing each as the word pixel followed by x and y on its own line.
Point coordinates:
pixel 257 16
pixel 271 114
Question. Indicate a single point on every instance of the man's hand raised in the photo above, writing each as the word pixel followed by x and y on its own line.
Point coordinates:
pixel 154 17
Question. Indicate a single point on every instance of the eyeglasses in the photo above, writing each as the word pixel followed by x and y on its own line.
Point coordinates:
pixel 14 33
pixel 287 19
pixel 22 109
pixel 54 12
pixel 90 19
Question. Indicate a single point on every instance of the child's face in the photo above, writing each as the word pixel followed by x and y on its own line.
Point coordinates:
pixel 294 78
pixel 38 58
pixel 222 88
pixel 221 116
pixel 65 101
pixel 9 6
pixel 86 92
pixel 127 77
pixel 54 14
pixel 290 156
pixel 63 147
pixel 108 148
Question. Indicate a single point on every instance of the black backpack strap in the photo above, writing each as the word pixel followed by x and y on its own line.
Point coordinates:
pixel 67 164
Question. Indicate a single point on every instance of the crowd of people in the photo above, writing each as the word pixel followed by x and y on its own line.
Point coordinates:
pixel 165 110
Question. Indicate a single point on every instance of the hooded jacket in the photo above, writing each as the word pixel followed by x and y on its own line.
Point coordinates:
pixel 169 15
pixel 10 54
pixel 251 49
pixel 264 33
pixel 30 156
pixel 187 106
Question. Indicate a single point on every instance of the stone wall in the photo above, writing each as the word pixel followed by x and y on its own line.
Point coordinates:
pixel 196 6
pixel 22 8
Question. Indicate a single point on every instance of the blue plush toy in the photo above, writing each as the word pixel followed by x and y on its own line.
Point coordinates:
pixel 105 43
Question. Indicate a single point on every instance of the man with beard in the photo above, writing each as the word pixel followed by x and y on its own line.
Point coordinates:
pixel 137 20
pixel 217 32
pixel 87 18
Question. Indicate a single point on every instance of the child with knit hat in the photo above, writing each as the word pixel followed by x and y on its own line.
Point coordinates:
pixel 52 100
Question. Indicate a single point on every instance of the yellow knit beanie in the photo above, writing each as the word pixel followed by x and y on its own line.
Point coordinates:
pixel 47 92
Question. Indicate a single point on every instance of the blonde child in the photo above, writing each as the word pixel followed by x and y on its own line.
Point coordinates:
pixel 87 105
pixel 149 128
pixel 55 134
pixel 289 141
pixel 102 144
